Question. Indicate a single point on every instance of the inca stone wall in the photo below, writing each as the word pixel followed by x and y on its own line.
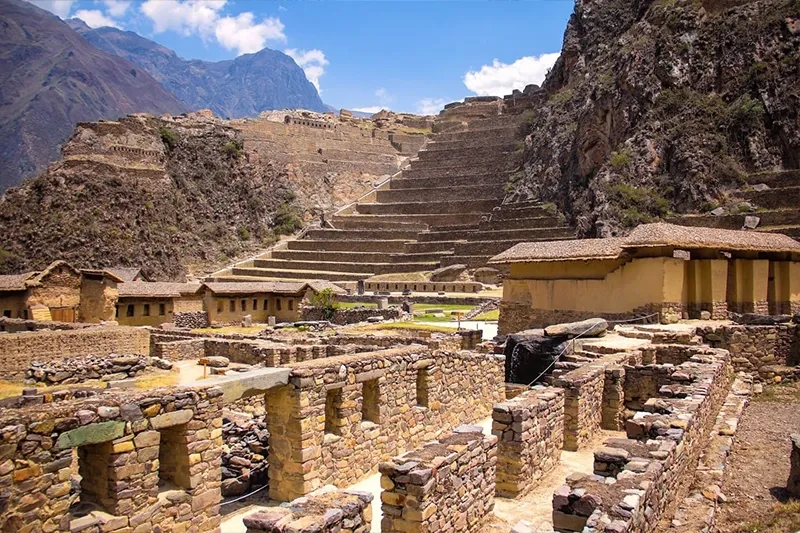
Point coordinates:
pixel 339 417
pixel 653 467
pixel 352 316
pixel 190 319
pixel 15 325
pixel 447 485
pixel 143 462
pixel 530 432
pixel 21 349
pixel 765 351
pixel 326 510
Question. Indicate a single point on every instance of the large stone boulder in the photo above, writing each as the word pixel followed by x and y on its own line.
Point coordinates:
pixel 448 273
pixel 215 361
pixel 593 327
pixel 487 275
pixel 793 484
pixel 754 319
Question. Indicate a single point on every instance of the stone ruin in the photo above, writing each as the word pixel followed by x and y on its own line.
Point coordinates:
pixel 342 408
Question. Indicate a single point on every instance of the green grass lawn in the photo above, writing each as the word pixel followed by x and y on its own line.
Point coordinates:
pixel 489 315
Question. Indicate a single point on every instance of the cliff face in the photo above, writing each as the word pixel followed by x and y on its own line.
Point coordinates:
pixel 659 107
pixel 51 78
pixel 241 87
pixel 172 196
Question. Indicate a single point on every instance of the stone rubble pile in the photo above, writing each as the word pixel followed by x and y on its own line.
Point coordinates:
pixel 244 461
pixel 80 369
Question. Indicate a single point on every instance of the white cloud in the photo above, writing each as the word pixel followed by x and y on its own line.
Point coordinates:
pixel 187 17
pixel 384 97
pixel 499 79
pixel 371 109
pixel 430 106
pixel 56 7
pixel 116 8
pixel 313 63
pixel 244 35
pixel 94 18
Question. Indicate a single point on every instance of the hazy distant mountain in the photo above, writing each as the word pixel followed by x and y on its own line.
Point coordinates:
pixel 51 78
pixel 241 87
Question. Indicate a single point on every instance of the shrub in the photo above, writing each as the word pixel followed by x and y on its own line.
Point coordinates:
pixel 244 233
pixel 233 149
pixel 621 159
pixel 326 301
pixel 562 96
pixel 287 220
pixel 168 137
pixel 637 205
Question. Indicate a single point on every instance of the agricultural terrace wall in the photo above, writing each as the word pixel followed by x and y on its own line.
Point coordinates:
pixel 144 461
pixel 20 349
pixel 339 417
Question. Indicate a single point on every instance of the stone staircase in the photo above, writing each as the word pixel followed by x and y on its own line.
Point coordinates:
pixel 445 208
pixel 775 197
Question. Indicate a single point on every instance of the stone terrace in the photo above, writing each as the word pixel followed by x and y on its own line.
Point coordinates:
pixel 445 208
pixel 775 197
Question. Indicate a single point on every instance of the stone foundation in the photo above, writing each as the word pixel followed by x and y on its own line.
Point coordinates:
pixel 339 417
pixel 447 485
pixel 326 510
pixel 519 317
pixel 352 316
pixel 530 432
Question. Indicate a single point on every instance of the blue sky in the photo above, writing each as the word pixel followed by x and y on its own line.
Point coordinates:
pixel 407 55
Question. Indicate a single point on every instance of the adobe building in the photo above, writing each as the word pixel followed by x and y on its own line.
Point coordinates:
pixel 663 269
pixel 231 301
pixel 144 303
pixel 60 293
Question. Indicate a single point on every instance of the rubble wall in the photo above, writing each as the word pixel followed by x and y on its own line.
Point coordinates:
pixel 530 433
pixel 339 417
pixel 447 485
pixel 21 349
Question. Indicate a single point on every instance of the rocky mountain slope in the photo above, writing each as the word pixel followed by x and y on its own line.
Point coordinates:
pixel 663 106
pixel 241 87
pixel 167 195
pixel 51 78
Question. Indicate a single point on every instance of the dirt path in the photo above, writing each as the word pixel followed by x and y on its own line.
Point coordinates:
pixel 758 466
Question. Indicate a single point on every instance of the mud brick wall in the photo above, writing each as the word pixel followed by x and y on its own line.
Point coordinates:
pixel 326 510
pixel 653 467
pixel 148 460
pixel 530 432
pixel 20 349
pixel 339 417
pixel 764 351
pixel 447 485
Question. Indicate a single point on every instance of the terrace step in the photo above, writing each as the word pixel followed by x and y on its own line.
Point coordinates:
pixel 471 261
pixel 360 235
pixel 783 198
pixel 388 245
pixel 490 248
pixel 448 193
pixel 506 132
pixel 338 266
pixel 443 247
pixel 499 121
pixel 463 158
pixel 426 220
pixel 419 170
pixel 777 179
pixel 486 180
pixel 791 231
pixel 520 235
pixel 376 222
pixel 477 205
pixel 777 217
pixel 520 223
pixel 284 274
pixel 460 151
pixel 324 255
pixel 478 141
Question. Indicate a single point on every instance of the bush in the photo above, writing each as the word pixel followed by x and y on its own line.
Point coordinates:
pixel 637 205
pixel 233 149
pixel 621 159
pixel 244 233
pixel 169 137
pixel 287 220
pixel 326 301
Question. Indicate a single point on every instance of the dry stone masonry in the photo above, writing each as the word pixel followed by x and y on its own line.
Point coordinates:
pixel 447 485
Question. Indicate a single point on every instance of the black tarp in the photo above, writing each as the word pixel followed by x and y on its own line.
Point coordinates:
pixel 528 355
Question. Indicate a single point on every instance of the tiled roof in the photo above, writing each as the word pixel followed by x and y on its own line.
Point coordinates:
pixel 253 287
pixel 561 250
pixel 15 282
pixel 125 274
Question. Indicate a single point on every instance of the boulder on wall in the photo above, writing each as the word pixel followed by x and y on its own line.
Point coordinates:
pixel 593 327
pixel 448 273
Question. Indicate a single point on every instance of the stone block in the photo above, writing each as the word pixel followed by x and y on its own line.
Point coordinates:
pixel 90 434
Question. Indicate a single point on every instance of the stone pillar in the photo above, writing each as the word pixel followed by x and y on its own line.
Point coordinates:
pixel 793 485
pixel 614 399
